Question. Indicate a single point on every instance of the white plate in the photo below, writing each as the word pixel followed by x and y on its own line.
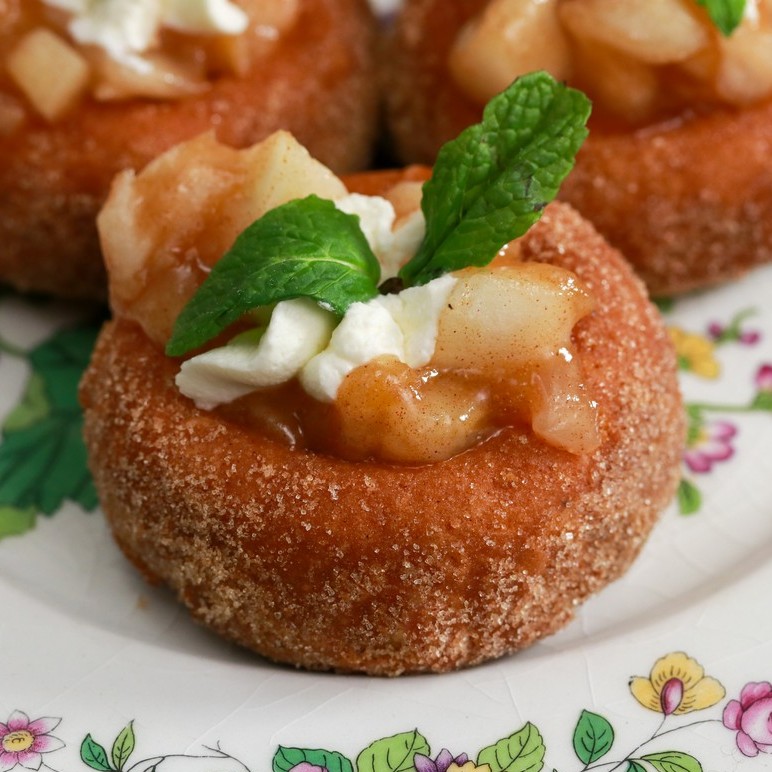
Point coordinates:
pixel 127 682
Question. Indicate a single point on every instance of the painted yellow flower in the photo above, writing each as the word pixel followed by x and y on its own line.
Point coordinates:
pixel 470 766
pixel 677 684
pixel 695 352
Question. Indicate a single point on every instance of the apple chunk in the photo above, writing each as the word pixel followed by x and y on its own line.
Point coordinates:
pixel 49 71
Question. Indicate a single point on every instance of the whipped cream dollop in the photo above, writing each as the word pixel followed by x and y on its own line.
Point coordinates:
pixel 126 28
pixel 302 339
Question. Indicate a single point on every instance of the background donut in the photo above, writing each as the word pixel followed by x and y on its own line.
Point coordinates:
pixel 384 569
pixel 318 83
pixel 687 201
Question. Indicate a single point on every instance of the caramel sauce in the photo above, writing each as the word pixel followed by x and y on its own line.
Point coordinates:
pixel 387 411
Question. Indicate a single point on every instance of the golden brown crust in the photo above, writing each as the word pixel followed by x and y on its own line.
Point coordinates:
pixel 318 83
pixel 328 564
pixel 689 203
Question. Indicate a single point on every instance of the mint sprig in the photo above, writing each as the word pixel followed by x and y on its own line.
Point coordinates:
pixel 492 182
pixel 725 14
pixel 304 248
pixel 488 187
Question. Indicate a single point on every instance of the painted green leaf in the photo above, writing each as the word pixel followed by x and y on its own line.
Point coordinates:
pixel 673 761
pixel 762 401
pixel 521 752
pixel 15 521
pixel 33 407
pixel 94 755
pixel 635 766
pixel 689 497
pixel 593 737
pixel 393 754
pixel 42 455
pixel 287 758
pixel 123 746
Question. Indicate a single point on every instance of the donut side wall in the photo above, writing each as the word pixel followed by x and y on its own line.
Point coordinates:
pixel 367 567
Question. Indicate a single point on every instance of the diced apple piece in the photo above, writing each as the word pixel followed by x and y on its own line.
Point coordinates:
pixel 280 169
pixel 510 318
pixel 510 38
pixel 163 228
pixel 229 54
pixel 516 323
pixel 745 65
pixel 652 31
pixel 562 413
pixel 153 75
pixel 395 413
pixel 622 85
pixel 49 71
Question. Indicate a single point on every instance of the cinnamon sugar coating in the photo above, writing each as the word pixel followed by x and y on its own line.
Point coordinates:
pixel 688 201
pixel 317 82
pixel 369 567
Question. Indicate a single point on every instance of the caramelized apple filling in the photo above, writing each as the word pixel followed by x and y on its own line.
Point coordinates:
pixel 123 49
pixel 639 61
pixel 415 377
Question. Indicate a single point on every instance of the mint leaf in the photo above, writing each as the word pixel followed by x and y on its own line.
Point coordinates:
pixel 492 182
pixel 304 248
pixel 725 14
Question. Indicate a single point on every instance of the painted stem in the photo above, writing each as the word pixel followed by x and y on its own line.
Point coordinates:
pixel 614 765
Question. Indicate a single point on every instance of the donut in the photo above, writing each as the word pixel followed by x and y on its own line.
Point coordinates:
pixel 321 561
pixel 675 172
pixel 302 65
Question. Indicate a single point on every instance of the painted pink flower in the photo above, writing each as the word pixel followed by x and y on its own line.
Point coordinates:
pixel 751 718
pixel 711 445
pixel 721 333
pixel 764 378
pixel 307 766
pixel 22 742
